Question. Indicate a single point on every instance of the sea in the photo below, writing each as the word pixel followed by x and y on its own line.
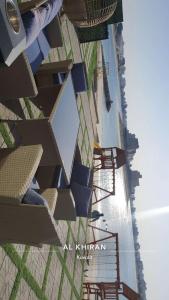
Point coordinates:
pixel 116 209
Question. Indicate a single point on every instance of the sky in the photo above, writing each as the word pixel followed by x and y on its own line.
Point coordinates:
pixel 145 34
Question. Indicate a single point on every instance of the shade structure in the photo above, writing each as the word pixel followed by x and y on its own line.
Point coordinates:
pixel 88 13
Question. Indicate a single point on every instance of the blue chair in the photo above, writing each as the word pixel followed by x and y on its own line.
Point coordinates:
pixel 78 71
pixel 81 174
pixel 82 196
pixel 79 76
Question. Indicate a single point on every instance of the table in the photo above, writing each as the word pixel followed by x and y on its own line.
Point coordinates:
pixel 57 131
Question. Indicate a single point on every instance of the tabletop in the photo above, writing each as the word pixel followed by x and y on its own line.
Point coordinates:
pixel 64 121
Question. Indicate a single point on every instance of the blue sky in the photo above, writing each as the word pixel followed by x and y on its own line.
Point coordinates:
pixel 146 24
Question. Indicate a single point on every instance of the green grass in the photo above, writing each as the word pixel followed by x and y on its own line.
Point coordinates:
pixel 59 297
pixel 24 273
pixel 41 115
pixel 66 271
pixel 92 66
pixel 45 279
pixel 78 252
pixel 5 135
pixel 19 275
pixel 28 106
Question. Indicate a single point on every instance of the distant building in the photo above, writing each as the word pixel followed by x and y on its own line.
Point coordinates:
pixel 132 145
pixel 134 177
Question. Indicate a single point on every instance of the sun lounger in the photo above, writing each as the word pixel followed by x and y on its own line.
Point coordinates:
pixel 24 223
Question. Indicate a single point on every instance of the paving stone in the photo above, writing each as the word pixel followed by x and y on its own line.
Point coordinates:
pixel 80 137
pixel 78 275
pixel 37 265
pixel 84 155
pixel 23 290
pixel 55 265
pixel 62 229
pixel 49 285
pixel 32 296
pixel 35 110
pixel 9 132
pixel 44 252
pixel 78 101
pixel 5 290
pixel 6 112
pixel 88 117
pixel 19 248
pixel 74 42
pixel 2 142
pixel 2 257
pixel 74 227
pixel 66 288
pixel 8 274
pixel 82 236
pixel 24 109
pixel 55 286
pixel 70 261
pixel 66 36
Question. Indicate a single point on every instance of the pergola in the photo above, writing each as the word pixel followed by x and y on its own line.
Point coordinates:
pixel 106 161
pixel 108 290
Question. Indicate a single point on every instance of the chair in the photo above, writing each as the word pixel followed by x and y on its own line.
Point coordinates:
pixel 11 87
pixel 24 223
pixel 76 198
pixel 81 174
pixel 65 207
pixel 53 73
pixel 50 37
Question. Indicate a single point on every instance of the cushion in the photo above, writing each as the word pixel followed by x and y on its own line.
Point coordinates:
pixel 82 197
pixel 38 51
pixel 36 20
pixel 32 197
pixel 81 174
pixel 79 77
pixel 58 178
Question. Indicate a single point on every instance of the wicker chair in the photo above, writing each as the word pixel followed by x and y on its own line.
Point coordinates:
pixel 88 13
pixel 24 223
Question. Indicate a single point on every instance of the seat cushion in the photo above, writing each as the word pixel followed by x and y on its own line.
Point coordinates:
pixel 82 197
pixel 38 51
pixel 58 178
pixel 80 174
pixel 17 170
pixel 32 197
pixel 79 77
